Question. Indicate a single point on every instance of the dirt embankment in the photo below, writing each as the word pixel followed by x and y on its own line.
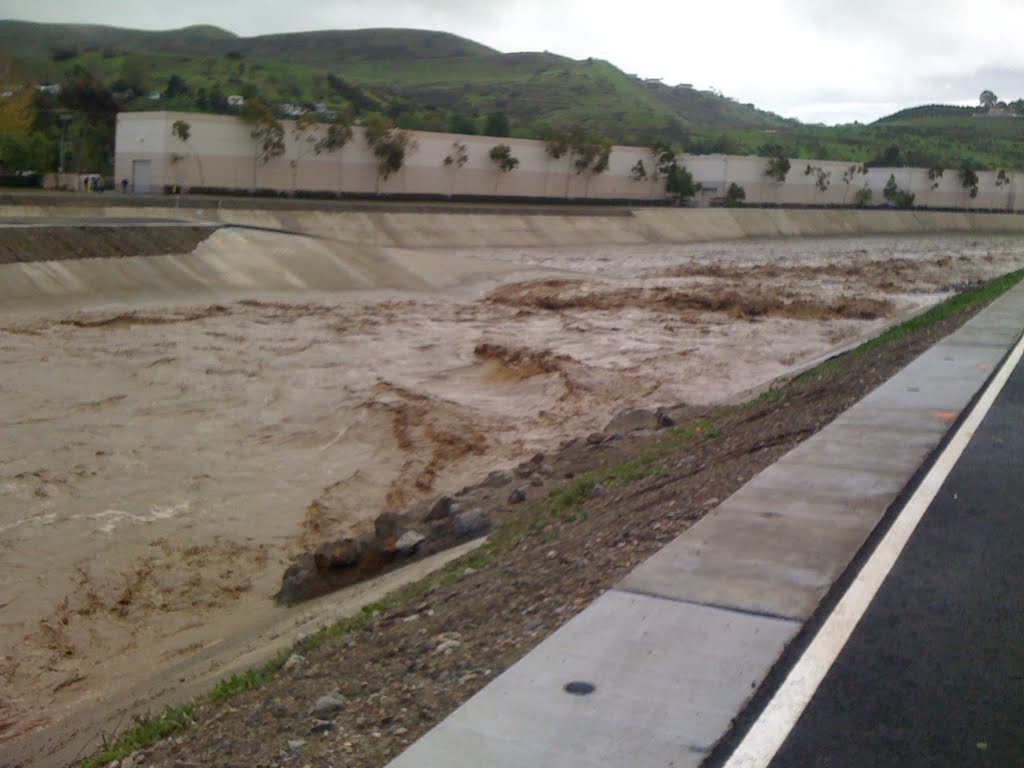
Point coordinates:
pixel 27 244
pixel 602 506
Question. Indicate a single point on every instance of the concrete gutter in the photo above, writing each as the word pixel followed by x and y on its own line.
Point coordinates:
pixel 676 650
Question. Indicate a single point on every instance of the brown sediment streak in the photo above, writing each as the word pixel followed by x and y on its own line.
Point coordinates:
pixel 561 295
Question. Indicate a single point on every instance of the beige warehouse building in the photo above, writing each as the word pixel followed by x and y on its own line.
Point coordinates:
pixel 222 154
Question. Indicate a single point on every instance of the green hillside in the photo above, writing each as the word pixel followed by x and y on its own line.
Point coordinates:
pixel 30 41
pixel 431 81
pixel 423 76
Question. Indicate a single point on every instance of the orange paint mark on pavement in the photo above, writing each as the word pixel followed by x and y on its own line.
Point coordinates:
pixel 945 415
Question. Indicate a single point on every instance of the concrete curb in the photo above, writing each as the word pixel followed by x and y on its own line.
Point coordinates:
pixel 674 652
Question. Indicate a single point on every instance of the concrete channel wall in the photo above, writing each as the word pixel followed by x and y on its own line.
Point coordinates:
pixel 510 227
pixel 335 251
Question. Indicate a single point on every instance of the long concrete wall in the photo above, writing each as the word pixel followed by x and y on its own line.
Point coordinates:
pixel 481 230
pixel 411 251
pixel 221 153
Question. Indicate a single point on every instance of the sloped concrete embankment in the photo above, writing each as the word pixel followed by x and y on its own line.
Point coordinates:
pixel 553 227
pixel 230 263
pixel 360 250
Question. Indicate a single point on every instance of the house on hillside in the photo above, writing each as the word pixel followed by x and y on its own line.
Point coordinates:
pixel 997 111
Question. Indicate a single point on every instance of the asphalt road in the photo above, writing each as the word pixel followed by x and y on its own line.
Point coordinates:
pixel 934 673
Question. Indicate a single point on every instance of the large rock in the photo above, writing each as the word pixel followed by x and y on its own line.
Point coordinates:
pixel 408 542
pixel 440 509
pixel 328 705
pixel 497 479
pixel 297 580
pixel 527 468
pixel 337 554
pixel 387 526
pixel 632 419
pixel 470 523
pixel 376 555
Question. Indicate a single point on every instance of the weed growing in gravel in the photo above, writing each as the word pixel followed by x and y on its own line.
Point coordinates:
pixel 252 678
pixel 948 308
pixel 561 499
pixel 147 730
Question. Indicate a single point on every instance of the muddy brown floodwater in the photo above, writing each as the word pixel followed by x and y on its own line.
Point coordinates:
pixel 161 463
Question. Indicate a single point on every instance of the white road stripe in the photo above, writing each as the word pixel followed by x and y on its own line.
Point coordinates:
pixel 773 726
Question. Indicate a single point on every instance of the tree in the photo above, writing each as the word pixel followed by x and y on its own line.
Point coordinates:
pixel 663 156
pixel 339 133
pixel 455 159
pixel 896 196
pixel 988 99
pixel 176 86
pixel 18 112
pixel 389 144
pixel 1004 179
pixel 304 133
pixel 679 184
pixel 266 131
pixel 183 132
pixel 777 167
pixel 863 197
pixel 501 156
pixel 849 175
pixel 463 124
pixel 591 155
pixel 822 178
pixel 496 124
pixel 639 171
pixel 91 131
pixel 735 196
pixel 968 180
pixel 935 173
pixel 557 144
pixel 25 151
pixel 135 74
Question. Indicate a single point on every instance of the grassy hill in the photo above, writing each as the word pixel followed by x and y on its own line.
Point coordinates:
pixel 427 76
pixel 31 41
pixel 439 81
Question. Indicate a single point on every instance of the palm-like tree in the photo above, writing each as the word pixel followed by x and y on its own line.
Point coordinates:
pixel 988 99
pixel 183 132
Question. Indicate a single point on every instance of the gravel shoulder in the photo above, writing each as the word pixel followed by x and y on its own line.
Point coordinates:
pixel 59 243
pixel 392 673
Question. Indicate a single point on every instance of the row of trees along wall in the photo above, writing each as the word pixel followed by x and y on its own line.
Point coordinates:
pixel 257 151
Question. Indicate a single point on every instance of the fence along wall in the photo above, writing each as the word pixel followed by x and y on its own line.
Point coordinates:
pixel 221 153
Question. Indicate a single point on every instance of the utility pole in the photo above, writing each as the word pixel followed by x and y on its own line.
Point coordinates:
pixel 64 120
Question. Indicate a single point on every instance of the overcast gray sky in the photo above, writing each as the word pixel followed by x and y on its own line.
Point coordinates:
pixel 817 60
